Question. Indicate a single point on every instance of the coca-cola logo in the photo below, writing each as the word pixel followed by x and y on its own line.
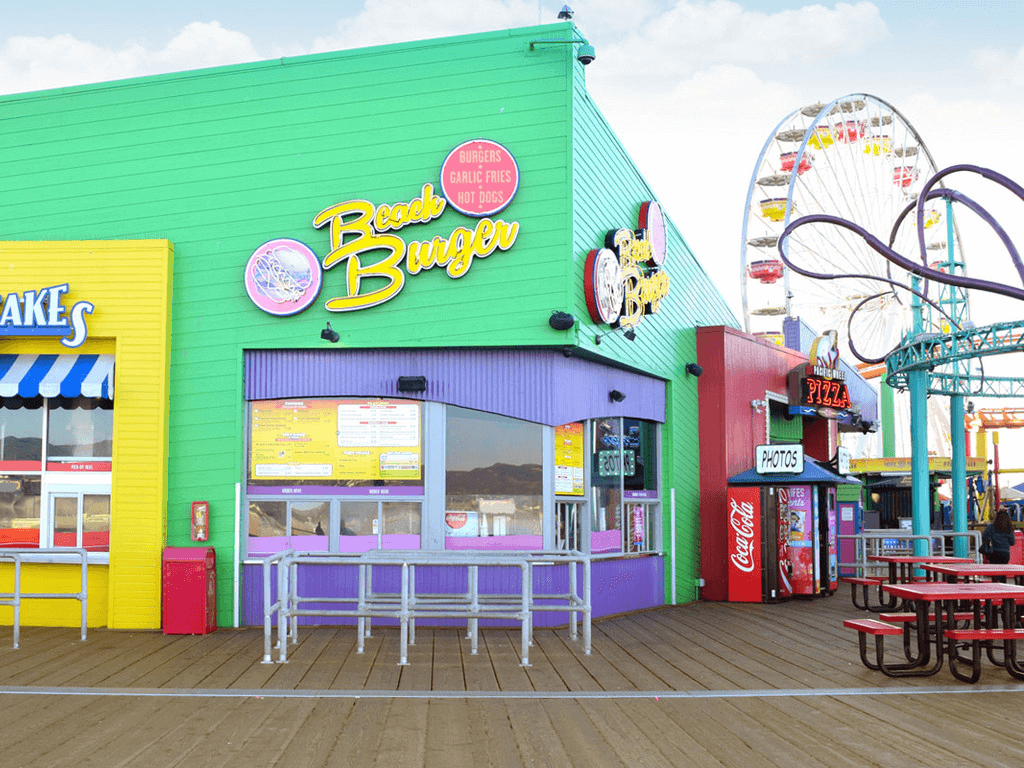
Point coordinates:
pixel 741 521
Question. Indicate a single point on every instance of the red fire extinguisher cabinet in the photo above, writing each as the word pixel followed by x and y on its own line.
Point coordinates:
pixel 190 590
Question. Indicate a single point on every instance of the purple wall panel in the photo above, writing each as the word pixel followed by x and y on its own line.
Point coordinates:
pixel 536 385
pixel 617 586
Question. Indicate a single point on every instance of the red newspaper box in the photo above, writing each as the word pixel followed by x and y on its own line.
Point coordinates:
pixel 190 590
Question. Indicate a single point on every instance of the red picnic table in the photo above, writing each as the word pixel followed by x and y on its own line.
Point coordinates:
pixel 900 572
pixel 935 604
pixel 973 571
pixel 901 567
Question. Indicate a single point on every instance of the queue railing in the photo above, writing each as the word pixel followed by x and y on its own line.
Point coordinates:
pixel 408 604
pixel 889 541
pixel 58 555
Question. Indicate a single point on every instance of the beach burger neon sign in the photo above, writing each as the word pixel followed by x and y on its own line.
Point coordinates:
pixel 625 280
pixel 478 178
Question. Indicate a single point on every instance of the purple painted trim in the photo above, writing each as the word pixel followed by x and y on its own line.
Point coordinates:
pixel 617 586
pixel 527 384
pixel 517 543
pixel 639 494
pixel 333 490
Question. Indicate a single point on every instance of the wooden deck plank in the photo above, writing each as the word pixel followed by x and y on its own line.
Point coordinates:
pixel 537 740
pixel 448 670
pixel 317 736
pixel 240 720
pixel 504 654
pixel 360 734
pixel 275 737
pixel 633 653
pixel 403 734
pixel 449 738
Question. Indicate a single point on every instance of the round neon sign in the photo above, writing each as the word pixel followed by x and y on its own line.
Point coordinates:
pixel 602 285
pixel 283 277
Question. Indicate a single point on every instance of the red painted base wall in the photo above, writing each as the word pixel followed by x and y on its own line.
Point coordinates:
pixel 738 368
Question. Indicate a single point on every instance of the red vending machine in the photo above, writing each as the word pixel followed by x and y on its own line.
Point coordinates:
pixel 782 541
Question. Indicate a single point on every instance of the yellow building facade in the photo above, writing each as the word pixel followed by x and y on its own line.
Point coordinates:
pixel 127 284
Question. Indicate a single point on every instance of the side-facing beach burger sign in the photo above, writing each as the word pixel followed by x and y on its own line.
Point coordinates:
pixel 478 178
pixel 625 280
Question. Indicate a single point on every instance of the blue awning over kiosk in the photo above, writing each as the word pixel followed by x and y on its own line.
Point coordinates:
pixel 813 473
pixel 57 375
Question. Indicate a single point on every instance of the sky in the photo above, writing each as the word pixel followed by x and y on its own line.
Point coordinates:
pixel 692 88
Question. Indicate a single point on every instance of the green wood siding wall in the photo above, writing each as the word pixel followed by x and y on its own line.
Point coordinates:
pixel 608 190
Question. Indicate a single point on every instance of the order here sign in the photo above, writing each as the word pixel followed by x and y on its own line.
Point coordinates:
pixel 776 459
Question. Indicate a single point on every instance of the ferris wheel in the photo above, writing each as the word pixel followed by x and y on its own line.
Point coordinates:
pixel 857 158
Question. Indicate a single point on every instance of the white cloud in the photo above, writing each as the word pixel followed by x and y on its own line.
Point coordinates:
pixel 35 63
pixel 691 35
pixel 999 67
pixel 390 21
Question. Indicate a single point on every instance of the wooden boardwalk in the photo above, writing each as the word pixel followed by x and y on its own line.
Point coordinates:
pixel 707 684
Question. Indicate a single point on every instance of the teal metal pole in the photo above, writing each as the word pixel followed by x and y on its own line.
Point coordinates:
pixel 959 473
pixel 918 384
pixel 958 450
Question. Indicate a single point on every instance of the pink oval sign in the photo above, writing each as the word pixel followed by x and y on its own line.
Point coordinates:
pixel 479 178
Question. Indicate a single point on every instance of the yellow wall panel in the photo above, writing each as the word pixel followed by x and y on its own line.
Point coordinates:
pixel 129 282
pixel 53 579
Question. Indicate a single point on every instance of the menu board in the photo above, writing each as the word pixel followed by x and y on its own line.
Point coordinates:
pixel 365 439
pixel 569 459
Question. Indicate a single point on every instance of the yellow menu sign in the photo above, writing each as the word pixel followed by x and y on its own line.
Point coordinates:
pixel 362 439
pixel 569 459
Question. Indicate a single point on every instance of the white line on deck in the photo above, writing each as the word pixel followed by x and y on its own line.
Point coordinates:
pixel 264 693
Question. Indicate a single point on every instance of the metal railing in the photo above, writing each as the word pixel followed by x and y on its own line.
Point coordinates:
pixel 895 541
pixel 57 555
pixel 408 605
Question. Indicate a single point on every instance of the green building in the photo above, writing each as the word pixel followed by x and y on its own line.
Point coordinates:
pixel 421 298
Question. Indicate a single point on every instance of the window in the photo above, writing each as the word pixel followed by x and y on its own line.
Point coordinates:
pixel 624 480
pixel 21 433
pixel 81 519
pixel 55 462
pixel 332 525
pixel 19 510
pixel 79 428
pixel 493 481
pixel 335 444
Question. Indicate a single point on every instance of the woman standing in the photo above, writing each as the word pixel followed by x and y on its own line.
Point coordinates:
pixel 998 538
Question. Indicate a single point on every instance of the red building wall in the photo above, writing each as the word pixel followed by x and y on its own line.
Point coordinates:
pixel 738 368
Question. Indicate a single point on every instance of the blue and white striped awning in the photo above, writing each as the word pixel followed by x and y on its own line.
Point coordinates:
pixel 53 375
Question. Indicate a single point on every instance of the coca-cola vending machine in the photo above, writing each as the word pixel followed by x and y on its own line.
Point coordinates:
pixel 782 541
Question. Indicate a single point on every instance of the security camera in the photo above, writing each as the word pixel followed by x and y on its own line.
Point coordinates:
pixel 585 54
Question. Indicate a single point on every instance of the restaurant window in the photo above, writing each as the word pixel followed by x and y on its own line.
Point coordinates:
pixel 79 428
pixel 332 525
pixel 19 510
pixel 55 461
pixel 80 519
pixel 624 482
pixel 339 454
pixel 493 481
pixel 335 443
pixel 21 433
